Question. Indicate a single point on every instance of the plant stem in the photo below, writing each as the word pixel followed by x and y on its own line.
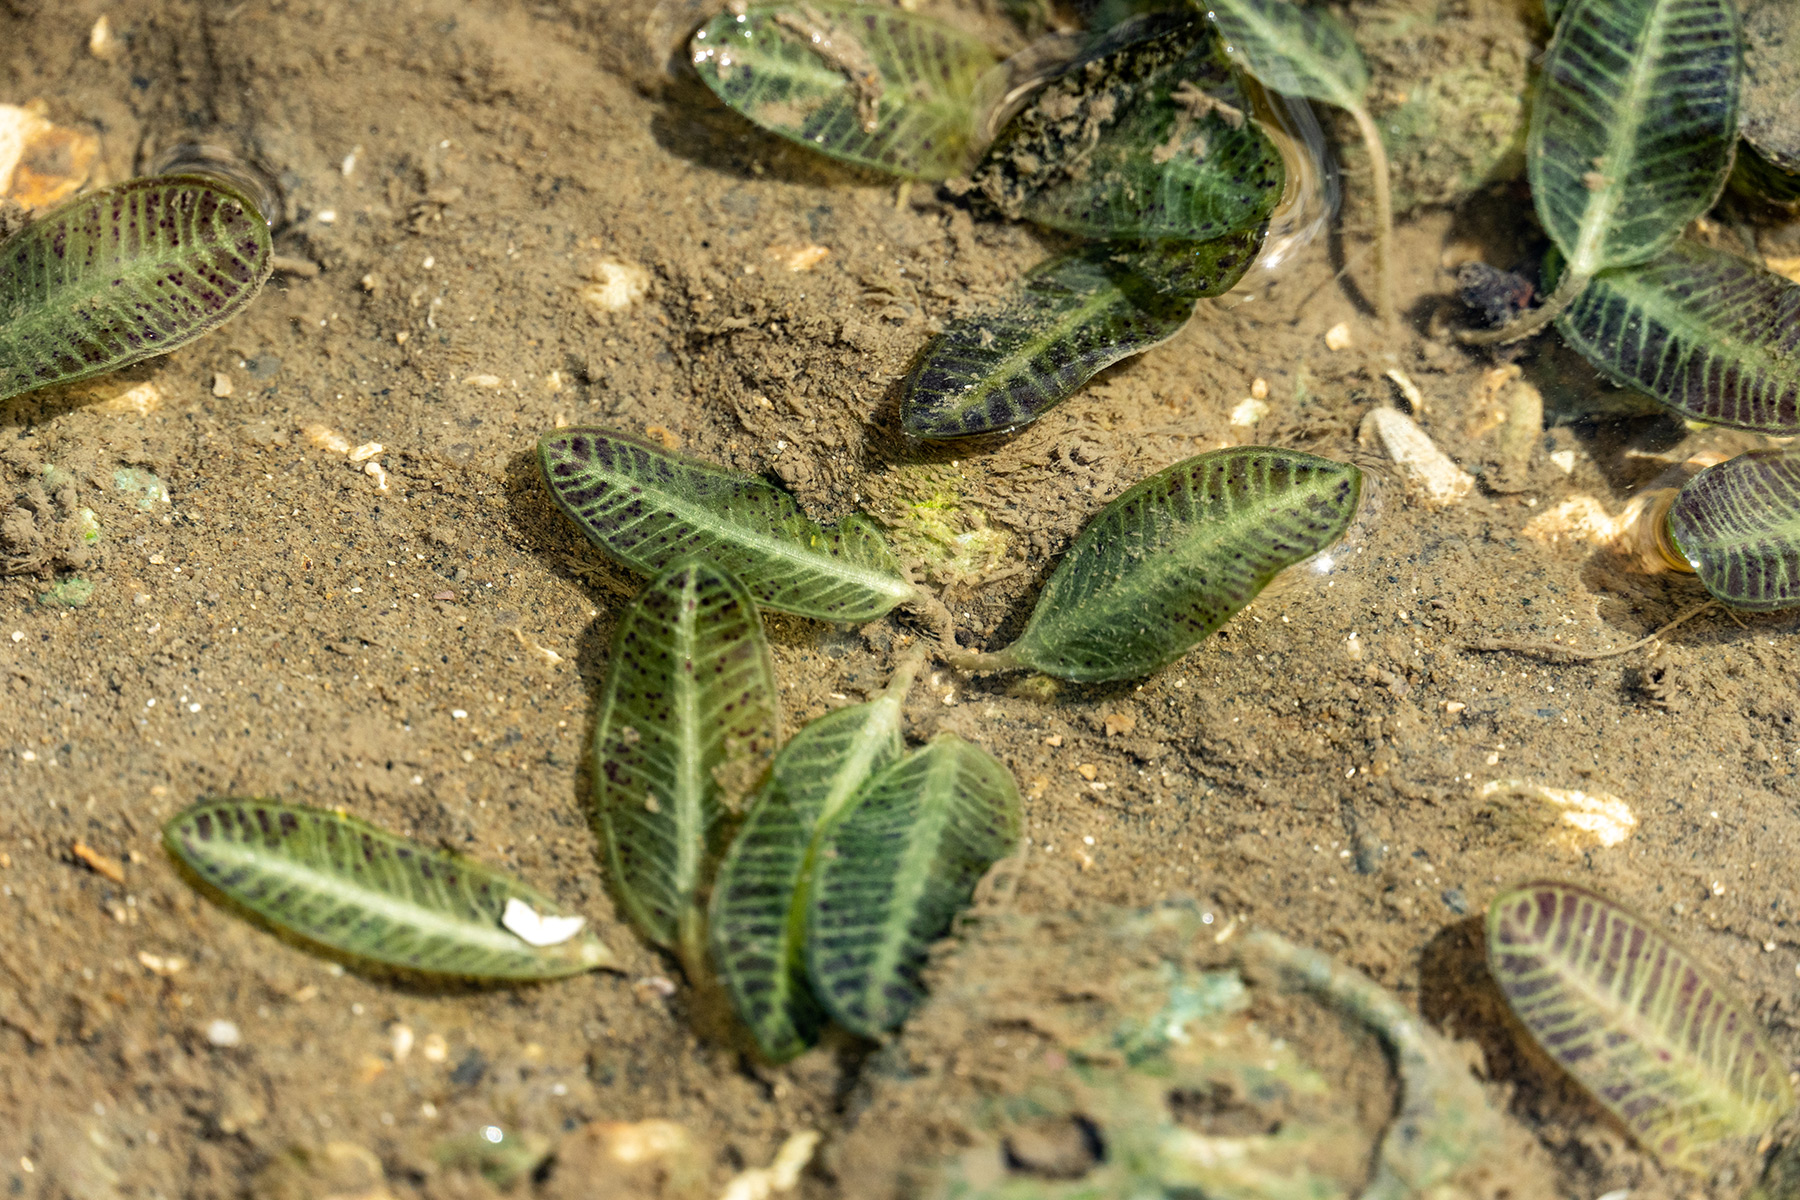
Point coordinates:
pixel 1384 215
pixel 998 660
pixel 1568 287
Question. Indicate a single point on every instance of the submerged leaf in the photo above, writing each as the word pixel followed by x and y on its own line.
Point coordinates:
pixel 894 870
pixel 1149 141
pixel 1706 333
pixel 690 704
pixel 1296 51
pixel 1064 323
pixel 649 508
pixel 1176 555
pixel 347 885
pixel 1643 1026
pixel 862 82
pixel 1738 524
pixel 124 274
pixel 1633 128
pixel 758 915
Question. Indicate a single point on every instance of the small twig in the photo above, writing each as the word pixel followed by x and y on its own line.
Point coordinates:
pixel 1384 216
pixel 1569 654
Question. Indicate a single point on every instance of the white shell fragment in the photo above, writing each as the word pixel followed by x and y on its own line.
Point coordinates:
pixel 616 286
pixel 1249 412
pixel 1606 820
pixel 534 928
pixel 1431 478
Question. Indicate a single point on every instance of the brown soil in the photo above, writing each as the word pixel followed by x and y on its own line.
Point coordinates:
pixel 281 626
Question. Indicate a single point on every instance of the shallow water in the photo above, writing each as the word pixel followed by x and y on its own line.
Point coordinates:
pixel 1334 765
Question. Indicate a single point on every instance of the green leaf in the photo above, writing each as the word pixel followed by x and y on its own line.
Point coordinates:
pixel 124 274
pixel 1738 525
pixel 1296 51
pixel 759 901
pixel 346 885
pixel 1176 555
pixel 648 509
pixel 1706 333
pixel 687 725
pixel 1633 128
pixel 861 82
pixel 1639 1023
pixel 1064 323
pixel 894 870
pixel 1149 141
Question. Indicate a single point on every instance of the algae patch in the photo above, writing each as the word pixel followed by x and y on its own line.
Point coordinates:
pixel 935 530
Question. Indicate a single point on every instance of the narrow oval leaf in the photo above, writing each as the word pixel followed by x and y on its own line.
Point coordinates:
pixel 758 914
pixel 1633 128
pixel 1639 1023
pixel 1738 524
pixel 1706 333
pixel 864 83
pixel 894 870
pixel 1150 141
pixel 124 274
pixel 346 885
pixel 688 722
pixel 1064 323
pixel 1176 555
pixel 1296 51
pixel 649 508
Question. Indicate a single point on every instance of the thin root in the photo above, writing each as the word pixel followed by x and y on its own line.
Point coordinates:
pixel 1558 653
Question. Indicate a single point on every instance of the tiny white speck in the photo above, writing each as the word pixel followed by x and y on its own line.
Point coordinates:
pixel 493 1134
pixel 150 703
pixel 328 216
pixel 223 1033
pixel 430 261
pixel 193 708
pixel 459 714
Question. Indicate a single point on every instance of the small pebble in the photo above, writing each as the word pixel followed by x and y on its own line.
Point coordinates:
pixel 1259 388
pixel 1338 337
pixel 221 384
pixel 223 1033
pixel 1088 771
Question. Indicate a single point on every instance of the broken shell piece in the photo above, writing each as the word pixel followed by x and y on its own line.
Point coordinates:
pixel 617 286
pixel 534 928
pixel 1605 820
pixel 366 451
pixel 1249 412
pixel 1430 477
pixel 628 1159
pixel 759 1183
pixel 40 162
pixel 139 399
pixel 327 438
pixel 799 258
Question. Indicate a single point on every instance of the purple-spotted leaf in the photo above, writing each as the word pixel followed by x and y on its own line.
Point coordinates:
pixel 1711 336
pixel 1638 1022
pixel 688 723
pixel 649 508
pixel 125 274
pixel 344 884
pixel 1738 525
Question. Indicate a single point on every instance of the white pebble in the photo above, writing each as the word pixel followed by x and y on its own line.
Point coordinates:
pixel 223 1033
pixel 1431 478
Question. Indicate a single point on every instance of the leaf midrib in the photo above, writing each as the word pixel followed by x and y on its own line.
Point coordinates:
pixel 912 871
pixel 1644 1030
pixel 1014 364
pixel 1586 258
pixel 350 891
pixel 1157 563
pixel 1645 295
pixel 778 548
